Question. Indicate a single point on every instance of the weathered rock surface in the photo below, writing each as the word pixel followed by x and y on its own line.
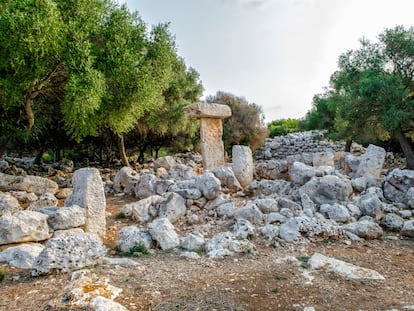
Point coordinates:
pixel 209 185
pixel 46 199
pixel 398 185
pixel 163 232
pixel 371 162
pixel 144 210
pixel 67 217
pixel 173 207
pixel 29 183
pixel 69 252
pixel 327 264
pixel 364 229
pixel 226 244
pixel 8 204
pixel 328 189
pixel 88 193
pixel 131 236
pixel 21 256
pixel 126 180
pixel 408 228
pixel 193 242
pixel 227 178
pixel 242 164
pixel 23 226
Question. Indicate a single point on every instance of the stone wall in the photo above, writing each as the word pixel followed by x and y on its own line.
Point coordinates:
pixel 280 147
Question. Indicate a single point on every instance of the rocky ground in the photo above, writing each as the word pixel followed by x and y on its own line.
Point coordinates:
pixel 261 280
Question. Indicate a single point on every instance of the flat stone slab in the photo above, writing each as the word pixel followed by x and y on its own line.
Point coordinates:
pixel 205 110
pixel 321 262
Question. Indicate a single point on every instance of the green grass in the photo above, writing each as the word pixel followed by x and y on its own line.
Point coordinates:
pixel 2 274
pixel 280 277
pixel 120 215
pixel 275 290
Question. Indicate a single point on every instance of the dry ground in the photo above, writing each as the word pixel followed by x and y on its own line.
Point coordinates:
pixel 166 281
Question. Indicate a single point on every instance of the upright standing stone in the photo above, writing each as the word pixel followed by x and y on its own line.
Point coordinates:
pixel 242 164
pixel 371 162
pixel 88 192
pixel 211 131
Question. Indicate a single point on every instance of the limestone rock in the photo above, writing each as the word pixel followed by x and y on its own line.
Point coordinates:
pixel 164 233
pixel 126 180
pixel 23 226
pixel 371 205
pixel 46 199
pixel 69 252
pixel 328 189
pixel 208 110
pixel 300 173
pixel 182 172
pixel 226 209
pixel 267 205
pixel 8 204
pixel 209 185
pixel 225 244
pixel 193 242
pixel 227 178
pixel 165 162
pixel 269 188
pixel 364 229
pixel 36 184
pixel 243 229
pixel 336 212
pixel 270 231
pixel 242 164
pixel 371 162
pixel 271 169
pixel 408 228
pixel 397 186
pixel 173 207
pixel 21 256
pixel 24 197
pixel 131 236
pixel 86 290
pixel 146 186
pixel 321 262
pixel 144 210
pixel 392 222
pixel 249 212
pixel 88 193
pixel 325 158
pixel 67 217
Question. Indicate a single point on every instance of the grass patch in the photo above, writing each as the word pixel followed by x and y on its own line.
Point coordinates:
pixel 120 215
pixel 2 274
pixel 136 251
pixel 275 290
pixel 304 260
pixel 280 277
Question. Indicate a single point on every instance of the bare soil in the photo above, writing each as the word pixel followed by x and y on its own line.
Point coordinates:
pixel 255 281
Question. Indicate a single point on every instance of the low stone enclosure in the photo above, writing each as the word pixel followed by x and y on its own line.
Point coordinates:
pixel 311 194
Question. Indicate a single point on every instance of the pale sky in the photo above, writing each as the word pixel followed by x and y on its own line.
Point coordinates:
pixel 275 53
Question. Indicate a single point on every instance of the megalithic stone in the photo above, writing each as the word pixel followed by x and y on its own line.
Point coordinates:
pixel 211 131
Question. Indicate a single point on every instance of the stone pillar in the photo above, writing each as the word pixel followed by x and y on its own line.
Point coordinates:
pixel 211 131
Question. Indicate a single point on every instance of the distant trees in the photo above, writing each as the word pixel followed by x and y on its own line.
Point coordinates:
pixel 82 68
pixel 282 127
pixel 372 93
pixel 245 126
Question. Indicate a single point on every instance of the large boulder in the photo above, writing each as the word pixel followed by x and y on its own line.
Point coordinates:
pixel 69 252
pixel 21 256
pixel 300 173
pixel 392 222
pixel 209 185
pixel 364 229
pixel 46 199
pixel 336 212
pixel 88 193
pixel 249 212
pixel 371 205
pixel 67 217
pixel 182 172
pixel 227 178
pixel 8 204
pixel 271 169
pixel 242 164
pixel 146 186
pixel 269 188
pixel 165 162
pixel 173 207
pixel 398 187
pixel 163 232
pixel 29 183
pixel 126 180
pixel 144 210
pixel 193 242
pixel 225 244
pixel 23 226
pixel 371 162
pixel 408 228
pixel 131 236
pixel 328 189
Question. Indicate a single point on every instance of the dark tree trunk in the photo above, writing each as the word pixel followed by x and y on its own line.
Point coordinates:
pixel 157 149
pixel 122 152
pixel 38 158
pixel 406 148
pixel 141 156
pixel 348 145
pixel 4 145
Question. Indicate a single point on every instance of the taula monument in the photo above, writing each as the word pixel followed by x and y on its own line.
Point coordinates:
pixel 211 131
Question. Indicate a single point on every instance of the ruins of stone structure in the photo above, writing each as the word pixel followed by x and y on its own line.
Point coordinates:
pixel 211 131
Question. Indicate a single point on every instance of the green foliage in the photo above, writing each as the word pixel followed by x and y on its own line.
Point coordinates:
pixel 283 126
pixel 137 250
pixel 245 126
pixel 2 274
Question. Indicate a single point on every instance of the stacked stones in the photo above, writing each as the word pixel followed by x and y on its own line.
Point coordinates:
pixel 280 147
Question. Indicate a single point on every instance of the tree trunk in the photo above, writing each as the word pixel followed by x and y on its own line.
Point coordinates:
pixel 121 147
pixel 38 158
pixel 348 145
pixel 4 145
pixel 406 148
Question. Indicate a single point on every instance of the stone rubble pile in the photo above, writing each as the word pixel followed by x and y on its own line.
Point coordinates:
pixel 323 194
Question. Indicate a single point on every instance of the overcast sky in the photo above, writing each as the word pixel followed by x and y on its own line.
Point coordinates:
pixel 275 53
